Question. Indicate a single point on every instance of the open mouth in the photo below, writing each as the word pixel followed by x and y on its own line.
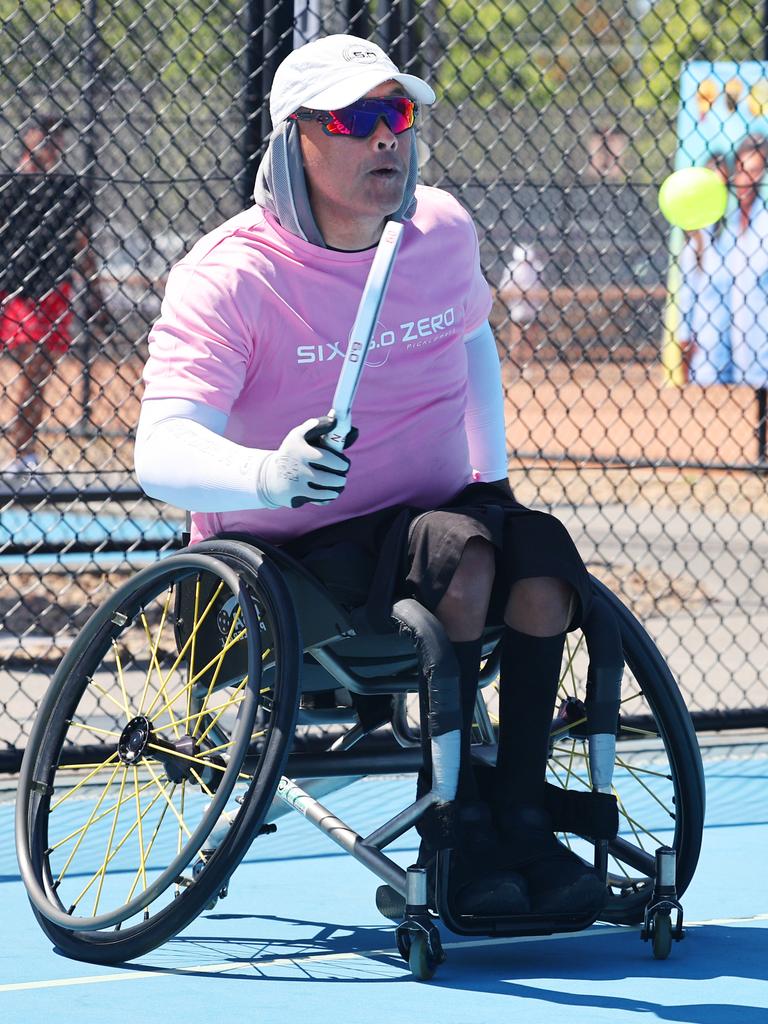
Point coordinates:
pixel 386 172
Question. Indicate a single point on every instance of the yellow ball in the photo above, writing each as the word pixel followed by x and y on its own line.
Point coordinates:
pixel 693 198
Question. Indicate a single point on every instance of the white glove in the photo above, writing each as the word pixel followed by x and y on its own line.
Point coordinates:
pixel 302 469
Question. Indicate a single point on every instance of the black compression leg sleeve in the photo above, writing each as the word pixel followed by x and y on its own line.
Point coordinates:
pixel 529 675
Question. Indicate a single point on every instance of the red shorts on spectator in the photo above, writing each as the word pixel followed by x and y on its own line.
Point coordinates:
pixel 43 321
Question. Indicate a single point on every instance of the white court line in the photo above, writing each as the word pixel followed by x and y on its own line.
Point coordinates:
pixel 291 961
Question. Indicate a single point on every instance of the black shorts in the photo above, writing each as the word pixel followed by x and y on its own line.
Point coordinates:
pixel 369 562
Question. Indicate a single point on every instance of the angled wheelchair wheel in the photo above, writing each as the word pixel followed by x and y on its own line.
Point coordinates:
pixel 156 753
pixel 658 777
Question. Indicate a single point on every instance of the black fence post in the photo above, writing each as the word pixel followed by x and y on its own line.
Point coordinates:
pixel 356 17
pixel 92 304
pixel 762 416
pixel 278 43
pixel 254 95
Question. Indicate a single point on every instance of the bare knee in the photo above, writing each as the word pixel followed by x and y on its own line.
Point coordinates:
pixel 463 608
pixel 540 606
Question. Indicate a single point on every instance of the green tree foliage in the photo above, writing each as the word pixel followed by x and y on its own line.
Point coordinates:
pixel 536 50
pixel 675 31
pixel 588 53
pixel 180 49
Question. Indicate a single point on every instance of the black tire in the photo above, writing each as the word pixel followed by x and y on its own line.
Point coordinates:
pixel 266 610
pixel 661 935
pixel 659 708
pixel 658 766
pixel 422 962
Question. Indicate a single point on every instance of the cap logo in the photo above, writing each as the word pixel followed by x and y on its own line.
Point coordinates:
pixel 360 55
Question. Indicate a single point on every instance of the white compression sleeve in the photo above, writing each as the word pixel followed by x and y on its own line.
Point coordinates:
pixel 484 417
pixel 182 458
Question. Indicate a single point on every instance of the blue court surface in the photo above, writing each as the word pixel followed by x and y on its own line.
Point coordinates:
pixel 299 939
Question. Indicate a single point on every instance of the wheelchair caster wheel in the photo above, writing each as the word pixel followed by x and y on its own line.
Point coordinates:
pixel 421 948
pixel 422 960
pixel 661 935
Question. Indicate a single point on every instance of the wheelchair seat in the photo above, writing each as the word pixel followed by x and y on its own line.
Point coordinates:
pixel 336 651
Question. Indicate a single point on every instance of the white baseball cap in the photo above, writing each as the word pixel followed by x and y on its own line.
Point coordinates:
pixel 333 72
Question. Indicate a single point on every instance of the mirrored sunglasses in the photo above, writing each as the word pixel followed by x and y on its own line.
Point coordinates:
pixel 359 119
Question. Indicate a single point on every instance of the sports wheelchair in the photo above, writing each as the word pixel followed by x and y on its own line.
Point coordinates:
pixel 181 724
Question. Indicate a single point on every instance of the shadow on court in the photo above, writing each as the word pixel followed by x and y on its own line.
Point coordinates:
pixel 601 956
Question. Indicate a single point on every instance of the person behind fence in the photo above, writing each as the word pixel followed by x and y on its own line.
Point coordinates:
pixel 246 352
pixel 43 221
pixel 729 323
pixel 698 261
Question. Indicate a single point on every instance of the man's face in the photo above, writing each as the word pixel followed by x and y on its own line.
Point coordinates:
pixel 352 178
pixel 41 152
pixel 748 173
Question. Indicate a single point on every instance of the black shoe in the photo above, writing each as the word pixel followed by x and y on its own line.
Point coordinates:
pixel 479 880
pixel 559 882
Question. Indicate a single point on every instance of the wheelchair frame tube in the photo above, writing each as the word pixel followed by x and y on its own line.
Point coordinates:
pixel 348 839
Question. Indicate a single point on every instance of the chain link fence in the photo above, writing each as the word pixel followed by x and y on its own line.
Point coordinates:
pixel 555 124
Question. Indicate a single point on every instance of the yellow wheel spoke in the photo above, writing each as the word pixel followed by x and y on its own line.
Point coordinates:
pixel 621 867
pixel 222 709
pixel 567 670
pixel 647 788
pixel 105 693
pixel 576 753
pixel 193 648
pixel 585 756
pixel 93 728
pixel 180 656
pixel 154 663
pixel 201 783
pixel 168 800
pixel 645 771
pixel 180 837
pixel 635 825
pixel 640 732
pixel 95 770
pixel 229 743
pixel 108 852
pixel 141 871
pixel 219 656
pixel 94 821
pixel 236 699
pixel 194 760
pixel 567 767
pixel 215 676
pixel 154 646
pixel 170 701
pixel 139 819
pixel 121 677
pixel 568 727
pixel 113 854
pixel 570 772
pixel 88 823
pixel 632 696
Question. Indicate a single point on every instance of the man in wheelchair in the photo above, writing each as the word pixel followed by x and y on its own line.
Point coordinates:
pixel 248 346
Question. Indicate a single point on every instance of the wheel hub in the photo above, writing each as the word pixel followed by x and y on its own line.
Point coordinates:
pixel 133 740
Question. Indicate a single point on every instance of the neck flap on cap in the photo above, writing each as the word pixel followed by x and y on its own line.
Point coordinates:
pixel 281 186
